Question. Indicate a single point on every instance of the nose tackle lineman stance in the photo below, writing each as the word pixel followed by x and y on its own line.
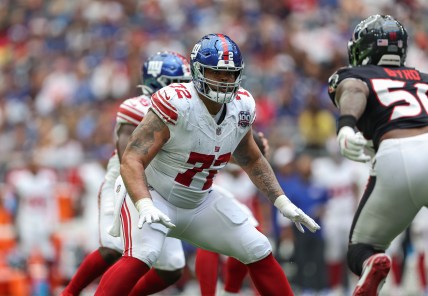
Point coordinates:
pixel 189 133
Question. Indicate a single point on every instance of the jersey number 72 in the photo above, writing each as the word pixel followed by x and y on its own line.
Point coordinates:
pixel 206 161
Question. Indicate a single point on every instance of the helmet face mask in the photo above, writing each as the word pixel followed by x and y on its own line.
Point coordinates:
pixel 162 69
pixel 216 52
pixel 378 40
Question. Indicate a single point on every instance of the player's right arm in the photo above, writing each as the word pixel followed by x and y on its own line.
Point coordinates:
pixel 145 142
pixel 350 96
pixel 130 113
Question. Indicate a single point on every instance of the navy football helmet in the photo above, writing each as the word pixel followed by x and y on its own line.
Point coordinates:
pixel 220 53
pixel 378 40
pixel 162 69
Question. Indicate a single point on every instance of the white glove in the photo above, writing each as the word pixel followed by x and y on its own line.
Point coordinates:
pixel 352 144
pixel 290 211
pixel 150 214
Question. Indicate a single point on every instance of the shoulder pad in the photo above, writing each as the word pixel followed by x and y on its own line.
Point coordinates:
pixel 133 110
pixel 337 77
pixel 333 80
pixel 243 96
pixel 246 103
pixel 163 104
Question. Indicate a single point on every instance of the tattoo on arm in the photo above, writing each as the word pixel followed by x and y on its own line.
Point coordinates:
pixel 258 169
pixel 145 142
pixel 264 178
pixel 146 135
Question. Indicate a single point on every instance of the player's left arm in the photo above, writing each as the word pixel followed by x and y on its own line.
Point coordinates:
pixel 261 142
pixel 249 157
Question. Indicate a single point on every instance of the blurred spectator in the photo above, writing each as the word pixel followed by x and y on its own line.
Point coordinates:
pixel 36 216
pixel 340 177
pixel 316 125
pixel 308 255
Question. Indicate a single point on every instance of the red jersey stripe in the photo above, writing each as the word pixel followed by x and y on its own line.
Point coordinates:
pixel 127 119
pixel 128 214
pixel 125 229
pixel 128 113
pixel 168 112
pixel 161 114
pixel 165 100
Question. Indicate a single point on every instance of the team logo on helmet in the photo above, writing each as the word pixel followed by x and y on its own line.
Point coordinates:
pixel 154 68
pixel 195 50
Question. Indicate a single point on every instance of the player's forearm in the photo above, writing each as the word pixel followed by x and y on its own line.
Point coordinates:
pixel 124 133
pixel 134 176
pixel 262 175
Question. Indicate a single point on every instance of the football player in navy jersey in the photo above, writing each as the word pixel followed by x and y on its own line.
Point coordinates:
pixel 191 132
pixel 383 104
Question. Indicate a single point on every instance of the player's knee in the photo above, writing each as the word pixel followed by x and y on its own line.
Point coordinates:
pixel 170 276
pixel 109 255
pixel 256 250
pixel 357 254
pixel 176 261
pixel 147 254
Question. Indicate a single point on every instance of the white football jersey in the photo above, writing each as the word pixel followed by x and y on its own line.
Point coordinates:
pixel 340 180
pixel 131 111
pixel 184 169
pixel 36 191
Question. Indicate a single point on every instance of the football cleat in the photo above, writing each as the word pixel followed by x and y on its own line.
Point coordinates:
pixel 375 270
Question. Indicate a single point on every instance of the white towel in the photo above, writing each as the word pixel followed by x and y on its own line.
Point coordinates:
pixel 120 195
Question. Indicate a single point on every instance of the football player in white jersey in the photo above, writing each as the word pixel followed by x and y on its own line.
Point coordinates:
pixel 242 190
pixel 158 71
pixel 35 189
pixel 189 133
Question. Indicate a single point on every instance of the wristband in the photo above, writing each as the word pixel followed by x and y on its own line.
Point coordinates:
pixel 147 201
pixel 281 201
pixel 346 120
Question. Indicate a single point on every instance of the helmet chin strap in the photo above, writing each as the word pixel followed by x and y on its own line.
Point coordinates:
pixel 390 60
pixel 220 97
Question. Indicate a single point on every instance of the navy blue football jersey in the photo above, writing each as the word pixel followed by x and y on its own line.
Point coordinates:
pixel 397 98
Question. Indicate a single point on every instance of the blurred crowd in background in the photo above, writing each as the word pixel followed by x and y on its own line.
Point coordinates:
pixel 65 66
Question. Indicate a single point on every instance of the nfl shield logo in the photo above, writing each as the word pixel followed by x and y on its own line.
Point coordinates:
pixel 218 131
